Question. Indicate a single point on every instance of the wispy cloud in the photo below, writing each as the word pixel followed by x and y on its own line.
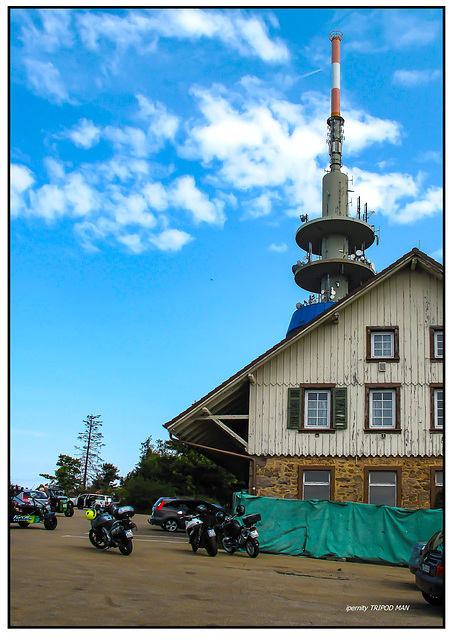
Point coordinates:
pixel 46 81
pixel 415 78
pixel 279 248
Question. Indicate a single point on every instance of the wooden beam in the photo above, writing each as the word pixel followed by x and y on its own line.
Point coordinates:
pixel 223 426
pixel 226 417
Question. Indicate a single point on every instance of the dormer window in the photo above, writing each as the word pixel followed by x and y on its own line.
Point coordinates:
pixel 382 344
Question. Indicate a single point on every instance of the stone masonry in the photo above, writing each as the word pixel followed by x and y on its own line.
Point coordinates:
pixel 278 477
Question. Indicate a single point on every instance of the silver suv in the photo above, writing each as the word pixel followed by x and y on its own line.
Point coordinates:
pixel 169 512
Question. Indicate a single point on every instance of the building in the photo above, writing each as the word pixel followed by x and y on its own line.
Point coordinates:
pixel 349 406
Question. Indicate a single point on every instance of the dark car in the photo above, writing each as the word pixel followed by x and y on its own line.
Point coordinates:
pixel 30 496
pixel 429 577
pixel 169 512
pixel 414 560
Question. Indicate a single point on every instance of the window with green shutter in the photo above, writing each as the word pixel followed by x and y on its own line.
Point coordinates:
pixel 294 408
pixel 340 408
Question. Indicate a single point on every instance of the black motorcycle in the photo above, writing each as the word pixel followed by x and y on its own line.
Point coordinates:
pixel 32 512
pixel 235 535
pixel 201 532
pixel 111 528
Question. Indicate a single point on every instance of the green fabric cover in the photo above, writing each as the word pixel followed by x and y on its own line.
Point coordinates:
pixel 323 529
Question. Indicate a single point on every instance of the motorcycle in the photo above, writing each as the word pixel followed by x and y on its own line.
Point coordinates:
pixel 235 535
pixel 32 512
pixel 200 529
pixel 111 528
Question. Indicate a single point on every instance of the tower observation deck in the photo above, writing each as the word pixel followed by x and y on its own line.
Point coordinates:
pixel 335 243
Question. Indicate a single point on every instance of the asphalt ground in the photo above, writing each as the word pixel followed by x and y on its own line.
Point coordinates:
pixel 58 579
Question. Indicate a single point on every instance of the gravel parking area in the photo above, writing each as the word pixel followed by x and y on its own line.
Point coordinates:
pixel 57 578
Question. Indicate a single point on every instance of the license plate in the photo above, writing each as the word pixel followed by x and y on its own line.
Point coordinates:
pixel 211 533
pixel 254 534
pixel 425 568
pixel 129 533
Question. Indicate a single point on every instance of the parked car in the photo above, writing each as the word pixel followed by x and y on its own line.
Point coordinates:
pixel 86 500
pixel 30 495
pixel 414 560
pixel 429 577
pixel 169 512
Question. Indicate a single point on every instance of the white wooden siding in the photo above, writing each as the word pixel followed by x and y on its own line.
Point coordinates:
pixel 336 353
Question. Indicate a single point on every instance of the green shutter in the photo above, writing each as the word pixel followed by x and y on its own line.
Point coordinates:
pixel 294 408
pixel 340 408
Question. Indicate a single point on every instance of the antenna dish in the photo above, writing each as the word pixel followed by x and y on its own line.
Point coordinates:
pixel 359 252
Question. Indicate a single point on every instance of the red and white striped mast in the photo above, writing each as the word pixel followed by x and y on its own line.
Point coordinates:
pixel 335 122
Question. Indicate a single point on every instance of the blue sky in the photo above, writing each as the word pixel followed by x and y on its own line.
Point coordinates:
pixel 160 160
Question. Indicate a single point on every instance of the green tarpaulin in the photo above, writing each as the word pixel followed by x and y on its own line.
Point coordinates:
pixel 323 529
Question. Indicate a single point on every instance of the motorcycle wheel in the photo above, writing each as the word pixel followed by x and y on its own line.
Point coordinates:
pixel 97 540
pixel 195 542
pixel 228 546
pixel 211 547
pixel 23 524
pixel 50 523
pixel 125 546
pixel 252 547
pixel 69 511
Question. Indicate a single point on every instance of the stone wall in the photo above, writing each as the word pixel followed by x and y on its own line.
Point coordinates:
pixel 278 477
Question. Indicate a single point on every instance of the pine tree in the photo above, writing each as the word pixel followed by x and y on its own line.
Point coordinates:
pixel 91 447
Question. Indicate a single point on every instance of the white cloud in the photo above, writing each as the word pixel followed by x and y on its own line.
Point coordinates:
pixel 427 206
pixel 133 241
pixel 237 31
pixel 48 202
pixel 185 195
pixel 132 210
pixel 171 240
pixel 364 129
pixel 127 140
pixel 279 248
pixel 45 78
pixel 85 135
pixel 162 125
pixel 414 78
pixel 397 196
pixel 259 206
pixel 81 198
pixel 21 179
pixel 156 196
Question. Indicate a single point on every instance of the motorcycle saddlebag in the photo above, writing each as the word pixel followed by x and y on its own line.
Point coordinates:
pixel 251 519
pixel 125 512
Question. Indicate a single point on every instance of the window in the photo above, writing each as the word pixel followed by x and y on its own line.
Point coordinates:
pixel 436 343
pixel 382 409
pixel 437 407
pixel 437 488
pixel 382 343
pixel 383 486
pixel 316 483
pixel 317 407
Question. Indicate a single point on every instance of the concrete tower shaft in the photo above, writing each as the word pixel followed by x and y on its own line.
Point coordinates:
pixel 335 242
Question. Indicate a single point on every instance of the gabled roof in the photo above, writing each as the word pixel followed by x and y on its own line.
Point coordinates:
pixel 187 425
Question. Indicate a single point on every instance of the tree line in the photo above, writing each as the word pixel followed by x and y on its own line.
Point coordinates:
pixel 164 468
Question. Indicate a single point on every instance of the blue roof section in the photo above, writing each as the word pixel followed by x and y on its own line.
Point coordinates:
pixel 306 313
